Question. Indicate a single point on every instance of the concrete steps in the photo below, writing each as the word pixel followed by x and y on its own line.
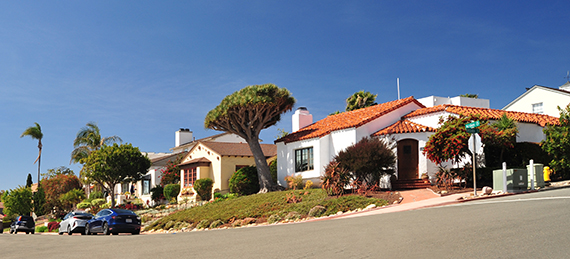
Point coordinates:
pixel 410 184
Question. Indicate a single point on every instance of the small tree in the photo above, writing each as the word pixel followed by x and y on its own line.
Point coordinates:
pixel 71 198
pixel 557 144
pixel 39 198
pixel 171 191
pixel 57 185
pixel 57 171
pixel 29 181
pixel 247 112
pixel 359 100
pixel 18 201
pixel 112 165
pixel 203 188
pixel 368 160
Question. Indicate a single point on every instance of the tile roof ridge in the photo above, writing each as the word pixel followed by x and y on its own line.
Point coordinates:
pixel 344 120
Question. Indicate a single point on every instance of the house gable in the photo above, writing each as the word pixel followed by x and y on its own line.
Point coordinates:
pixel 549 98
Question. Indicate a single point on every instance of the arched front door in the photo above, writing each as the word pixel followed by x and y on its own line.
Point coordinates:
pixel 408 159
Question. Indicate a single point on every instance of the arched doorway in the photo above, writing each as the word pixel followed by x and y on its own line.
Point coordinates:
pixel 408 159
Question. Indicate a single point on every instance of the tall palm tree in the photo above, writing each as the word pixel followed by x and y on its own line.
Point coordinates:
pixel 35 132
pixel 360 100
pixel 89 139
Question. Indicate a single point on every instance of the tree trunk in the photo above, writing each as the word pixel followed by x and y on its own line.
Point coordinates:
pixel 263 174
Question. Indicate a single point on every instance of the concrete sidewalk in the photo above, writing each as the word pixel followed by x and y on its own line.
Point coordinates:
pixel 413 200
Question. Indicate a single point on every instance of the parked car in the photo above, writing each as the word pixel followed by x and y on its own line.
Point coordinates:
pixel 114 221
pixel 23 224
pixel 74 222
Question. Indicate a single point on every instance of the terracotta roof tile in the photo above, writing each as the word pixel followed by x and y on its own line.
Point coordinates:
pixel 404 126
pixel 346 120
pixel 486 113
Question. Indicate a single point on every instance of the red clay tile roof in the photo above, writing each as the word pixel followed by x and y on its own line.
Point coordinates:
pixel 404 126
pixel 346 120
pixel 239 149
pixel 486 113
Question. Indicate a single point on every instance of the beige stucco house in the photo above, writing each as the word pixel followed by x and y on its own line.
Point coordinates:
pixel 217 161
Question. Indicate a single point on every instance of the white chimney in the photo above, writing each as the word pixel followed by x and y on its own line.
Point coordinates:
pixel 301 118
pixel 182 137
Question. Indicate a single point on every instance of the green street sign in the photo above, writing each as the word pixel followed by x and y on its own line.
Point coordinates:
pixel 472 130
pixel 472 125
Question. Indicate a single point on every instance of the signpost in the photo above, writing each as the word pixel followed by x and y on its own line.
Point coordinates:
pixel 472 128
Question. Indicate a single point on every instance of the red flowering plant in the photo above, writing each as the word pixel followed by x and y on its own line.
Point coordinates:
pixel 171 174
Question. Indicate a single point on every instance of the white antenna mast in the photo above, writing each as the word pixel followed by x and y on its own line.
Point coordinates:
pixel 398 82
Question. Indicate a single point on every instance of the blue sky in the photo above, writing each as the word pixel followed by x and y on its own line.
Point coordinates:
pixel 143 69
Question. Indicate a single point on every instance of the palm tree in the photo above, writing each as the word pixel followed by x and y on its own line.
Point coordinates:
pixel 35 132
pixel 360 100
pixel 89 139
pixel 507 127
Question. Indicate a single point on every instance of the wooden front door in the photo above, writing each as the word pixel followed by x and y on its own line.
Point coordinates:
pixel 408 159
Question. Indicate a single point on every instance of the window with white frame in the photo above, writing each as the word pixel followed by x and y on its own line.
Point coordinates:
pixel 304 159
pixel 537 108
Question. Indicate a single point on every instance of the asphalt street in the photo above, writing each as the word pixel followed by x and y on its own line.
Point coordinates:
pixel 533 225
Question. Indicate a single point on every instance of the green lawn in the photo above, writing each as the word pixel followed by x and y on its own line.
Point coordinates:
pixel 262 206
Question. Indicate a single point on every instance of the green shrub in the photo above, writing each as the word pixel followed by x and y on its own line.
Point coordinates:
pixel 96 195
pixel 84 205
pixel 245 181
pixel 41 229
pixel 294 182
pixel 157 193
pixel 317 211
pixel 216 224
pixel 203 188
pixel 203 224
pixel 171 191
pixel 273 170
pixel 169 225
pixel 293 215
pixel 274 219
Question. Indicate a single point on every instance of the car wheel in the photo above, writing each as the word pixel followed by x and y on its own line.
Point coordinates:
pixel 60 233
pixel 136 232
pixel 27 232
pixel 87 230
pixel 68 230
pixel 33 232
pixel 106 229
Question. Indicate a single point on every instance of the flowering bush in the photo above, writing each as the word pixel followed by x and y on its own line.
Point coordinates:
pixel 53 226
pixel 171 174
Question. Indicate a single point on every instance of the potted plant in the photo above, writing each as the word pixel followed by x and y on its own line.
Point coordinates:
pixel 425 177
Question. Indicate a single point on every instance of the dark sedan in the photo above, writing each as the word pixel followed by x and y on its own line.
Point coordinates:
pixel 114 221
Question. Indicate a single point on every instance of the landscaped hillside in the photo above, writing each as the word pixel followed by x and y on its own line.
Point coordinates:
pixel 269 207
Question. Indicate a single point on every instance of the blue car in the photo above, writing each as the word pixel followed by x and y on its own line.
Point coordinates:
pixel 114 221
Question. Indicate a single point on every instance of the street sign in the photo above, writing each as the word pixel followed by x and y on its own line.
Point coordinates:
pixel 472 130
pixel 472 125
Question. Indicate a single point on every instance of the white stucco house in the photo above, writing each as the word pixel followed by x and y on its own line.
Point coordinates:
pixel 410 122
pixel 542 100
